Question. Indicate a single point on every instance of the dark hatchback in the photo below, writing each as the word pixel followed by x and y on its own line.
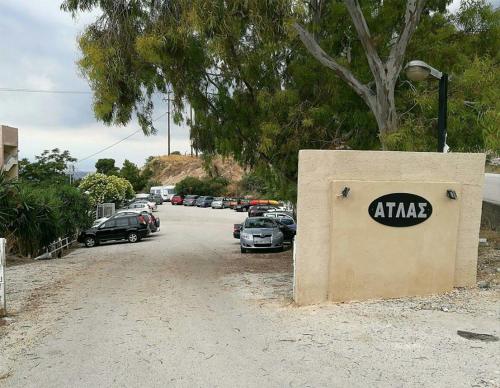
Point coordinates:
pixel 190 200
pixel 243 205
pixel 205 201
pixel 129 227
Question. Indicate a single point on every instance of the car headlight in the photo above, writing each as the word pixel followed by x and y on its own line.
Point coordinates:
pixel 278 235
pixel 246 236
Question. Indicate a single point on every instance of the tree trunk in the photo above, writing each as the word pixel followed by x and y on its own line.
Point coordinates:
pixel 385 74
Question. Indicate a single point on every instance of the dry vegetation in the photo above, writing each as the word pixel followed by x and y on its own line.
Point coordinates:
pixel 172 169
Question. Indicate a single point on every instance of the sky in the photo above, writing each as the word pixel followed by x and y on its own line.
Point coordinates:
pixel 38 50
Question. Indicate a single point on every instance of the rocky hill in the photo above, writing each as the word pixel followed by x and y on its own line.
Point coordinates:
pixel 171 169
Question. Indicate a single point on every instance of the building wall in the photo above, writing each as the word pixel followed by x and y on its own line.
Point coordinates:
pixel 9 147
pixel 319 169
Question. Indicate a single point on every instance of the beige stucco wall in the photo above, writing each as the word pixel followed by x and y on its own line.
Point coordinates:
pixel 9 147
pixel 9 135
pixel 317 171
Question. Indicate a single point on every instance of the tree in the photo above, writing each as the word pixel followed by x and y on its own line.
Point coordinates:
pixel 385 73
pixel 139 179
pixel 49 168
pixel 259 94
pixel 106 167
pixel 102 188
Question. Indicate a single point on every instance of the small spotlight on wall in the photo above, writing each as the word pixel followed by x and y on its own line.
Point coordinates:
pixel 451 194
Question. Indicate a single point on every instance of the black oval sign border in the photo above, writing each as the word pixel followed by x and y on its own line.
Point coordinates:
pixel 392 211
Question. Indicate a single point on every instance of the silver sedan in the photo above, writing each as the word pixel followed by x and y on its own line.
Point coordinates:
pixel 261 233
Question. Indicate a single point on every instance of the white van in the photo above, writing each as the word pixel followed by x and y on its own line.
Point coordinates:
pixel 166 192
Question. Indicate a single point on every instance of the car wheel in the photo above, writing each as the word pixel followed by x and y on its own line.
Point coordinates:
pixel 90 242
pixel 243 250
pixel 133 237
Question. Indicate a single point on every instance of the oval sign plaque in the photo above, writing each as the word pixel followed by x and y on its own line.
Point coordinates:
pixel 400 209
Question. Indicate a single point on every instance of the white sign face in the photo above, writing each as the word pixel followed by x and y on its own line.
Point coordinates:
pixel 3 309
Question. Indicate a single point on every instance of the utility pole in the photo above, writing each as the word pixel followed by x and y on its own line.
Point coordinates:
pixel 168 118
pixel 191 118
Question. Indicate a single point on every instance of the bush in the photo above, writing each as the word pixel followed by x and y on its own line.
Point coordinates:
pixel 31 216
pixel 102 188
pixel 208 186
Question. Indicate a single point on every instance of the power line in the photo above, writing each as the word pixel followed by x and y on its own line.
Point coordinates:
pixel 119 141
pixel 45 91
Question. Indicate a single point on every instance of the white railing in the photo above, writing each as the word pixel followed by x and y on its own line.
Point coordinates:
pixel 56 248
pixel 3 303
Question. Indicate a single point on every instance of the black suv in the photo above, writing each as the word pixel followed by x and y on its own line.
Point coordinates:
pixel 126 227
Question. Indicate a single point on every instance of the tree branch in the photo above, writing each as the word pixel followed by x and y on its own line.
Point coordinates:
pixel 414 9
pixel 317 52
pixel 365 38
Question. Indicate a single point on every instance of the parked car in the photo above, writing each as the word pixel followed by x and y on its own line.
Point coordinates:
pixel 218 203
pixel 204 201
pixel 259 210
pixel 226 202
pixel 243 205
pixel 156 198
pixel 177 200
pixel 236 230
pixel 233 203
pixel 279 214
pixel 190 200
pixel 261 233
pixel 131 227
pixel 287 221
pixel 139 206
pixel 289 228
pixel 152 205
pixel 151 219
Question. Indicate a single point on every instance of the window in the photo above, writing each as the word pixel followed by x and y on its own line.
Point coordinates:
pixel 133 221
pixel 286 221
pixel 109 224
pixel 122 221
pixel 260 223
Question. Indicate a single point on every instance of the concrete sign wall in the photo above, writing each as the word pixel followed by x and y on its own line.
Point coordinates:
pixel 385 224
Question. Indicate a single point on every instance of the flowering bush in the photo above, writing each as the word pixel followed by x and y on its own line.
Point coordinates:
pixel 103 188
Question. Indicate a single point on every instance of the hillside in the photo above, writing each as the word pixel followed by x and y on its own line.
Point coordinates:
pixel 171 169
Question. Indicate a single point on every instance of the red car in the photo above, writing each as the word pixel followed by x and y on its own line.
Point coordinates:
pixel 177 200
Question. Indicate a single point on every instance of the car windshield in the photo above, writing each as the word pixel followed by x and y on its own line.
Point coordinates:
pixel 259 223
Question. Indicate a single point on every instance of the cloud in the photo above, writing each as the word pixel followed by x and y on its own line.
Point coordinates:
pixel 39 51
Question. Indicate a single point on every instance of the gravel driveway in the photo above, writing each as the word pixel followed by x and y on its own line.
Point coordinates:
pixel 185 308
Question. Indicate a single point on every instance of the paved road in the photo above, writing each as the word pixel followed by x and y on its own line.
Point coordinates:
pixel 187 309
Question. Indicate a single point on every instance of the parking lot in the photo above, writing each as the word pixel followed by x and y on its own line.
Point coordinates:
pixel 185 308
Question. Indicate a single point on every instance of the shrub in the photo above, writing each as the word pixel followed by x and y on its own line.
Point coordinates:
pixel 208 186
pixel 101 188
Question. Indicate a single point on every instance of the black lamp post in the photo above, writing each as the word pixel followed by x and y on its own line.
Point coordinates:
pixel 419 71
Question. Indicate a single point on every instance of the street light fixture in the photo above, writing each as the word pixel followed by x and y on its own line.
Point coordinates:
pixel 419 71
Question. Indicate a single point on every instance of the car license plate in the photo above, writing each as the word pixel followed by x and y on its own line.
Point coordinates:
pixel 262 240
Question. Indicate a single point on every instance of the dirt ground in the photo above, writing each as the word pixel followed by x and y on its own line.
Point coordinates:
pixel 185 308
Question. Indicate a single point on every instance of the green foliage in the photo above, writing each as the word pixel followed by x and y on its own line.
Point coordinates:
pixel 102 188
pixel 106 167
pixel 260 97
pixel 32 216
pixel 175 153
pixel 49 168
pixel 139 179
pixel 208 186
